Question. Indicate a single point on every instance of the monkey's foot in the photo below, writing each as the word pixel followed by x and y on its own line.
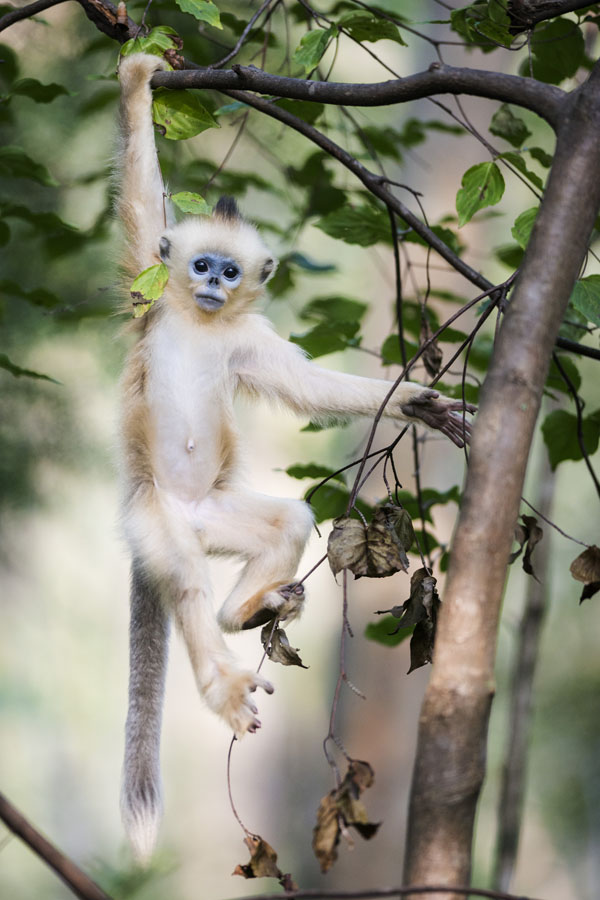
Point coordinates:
pixel 229 695
pixel 285 602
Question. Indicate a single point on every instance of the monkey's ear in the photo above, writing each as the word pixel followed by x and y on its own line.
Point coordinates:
pixel 227 209
pixel 268 269
pixel 164 248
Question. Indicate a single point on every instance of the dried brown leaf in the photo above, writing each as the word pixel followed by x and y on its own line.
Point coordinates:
pixel 341 809
pixel 389 535
pixel 347 546
pixel 527 536
pixel 263 863
pixel 278 648
pixel 586 567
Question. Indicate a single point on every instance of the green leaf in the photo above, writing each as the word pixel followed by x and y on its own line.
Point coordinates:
pixel 327 337
pixel 148 287
pixel 523 226
pixel 18 372
pixel 331 501
pixel 385 631
pixel 313 470
pixel 506 125
pixel 560 435
pixel 544 159
pixel 574 324
pixel 363 25
pixel 483 24
pixel 312 46
pixel 429 498
pixel 558 50
pixel 188 202
pixel 4 234
pixel 15 163
pixel 37 297
pixel 510 254
pixel 334 309
pixel 156 42
pixel 586 298
pixel 180 114
pixel 555 381
pixel 303 109
pixel 482 185
pixel 35 90
pixel 203 10
pixel 364 225
pixel 47 222
pixel 10 63
pixel 517 161
pixel 310 265
pixel 390 350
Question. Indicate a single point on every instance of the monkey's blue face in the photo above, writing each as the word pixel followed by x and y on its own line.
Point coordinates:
pixel 215 276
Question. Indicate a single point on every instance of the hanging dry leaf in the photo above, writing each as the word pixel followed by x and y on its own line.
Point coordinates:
pixel 263 863
pixel 347 546
pixel 432 355
pixel 376 551
pixel 389 535
pixel 527 535
pixel 420 610
pixel 341 809
pixel 277 647
pixel 586 568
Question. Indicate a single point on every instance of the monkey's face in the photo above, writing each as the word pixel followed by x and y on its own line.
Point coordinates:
pixel 216 267
pixel 214 278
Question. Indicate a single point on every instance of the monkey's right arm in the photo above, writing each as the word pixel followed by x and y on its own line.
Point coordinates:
pixel 141 201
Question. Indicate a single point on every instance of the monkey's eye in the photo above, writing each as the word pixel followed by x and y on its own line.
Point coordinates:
pixel 201 266
pixel 231 272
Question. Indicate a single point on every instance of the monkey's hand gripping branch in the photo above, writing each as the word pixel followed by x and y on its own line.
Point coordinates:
pixel 441 414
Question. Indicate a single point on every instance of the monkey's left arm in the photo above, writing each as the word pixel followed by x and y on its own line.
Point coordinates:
pixel 278 369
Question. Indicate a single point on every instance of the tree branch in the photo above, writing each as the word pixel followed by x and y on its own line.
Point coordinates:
pixel 524 14
pixel 26 12
pixel 75 879
pixel 365 894
pixel 450 757
pixel 544 99
pixel 528 634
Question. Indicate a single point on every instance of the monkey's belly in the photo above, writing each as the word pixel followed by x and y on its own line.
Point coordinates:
pixel 189 458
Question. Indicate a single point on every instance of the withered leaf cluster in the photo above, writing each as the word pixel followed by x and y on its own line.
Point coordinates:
pixel 586 568
pixel 375 550
pixel 527 535
pixel 263 863
pixel 420 610
pixel 341 809
pixel 278 648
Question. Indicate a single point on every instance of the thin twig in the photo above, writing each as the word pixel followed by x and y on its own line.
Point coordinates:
pixel 75 879
pixel 242 38
pixel 26 12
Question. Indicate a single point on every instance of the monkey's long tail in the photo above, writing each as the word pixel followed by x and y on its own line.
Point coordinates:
pixel 141 802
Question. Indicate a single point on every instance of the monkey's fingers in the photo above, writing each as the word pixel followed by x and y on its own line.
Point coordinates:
pixel 262 682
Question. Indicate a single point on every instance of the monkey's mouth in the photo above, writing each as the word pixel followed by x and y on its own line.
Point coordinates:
pixel 208 301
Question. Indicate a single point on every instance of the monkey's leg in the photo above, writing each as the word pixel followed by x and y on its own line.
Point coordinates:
pixel 162 532
pixel 141 803
pixel 271 534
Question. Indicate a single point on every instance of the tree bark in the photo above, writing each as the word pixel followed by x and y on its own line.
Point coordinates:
pixel 450 760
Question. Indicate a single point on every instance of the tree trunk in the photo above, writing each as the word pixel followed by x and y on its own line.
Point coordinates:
pixel 450 761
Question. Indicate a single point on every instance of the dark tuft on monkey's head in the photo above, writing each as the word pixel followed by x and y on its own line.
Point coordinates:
pixel 227 209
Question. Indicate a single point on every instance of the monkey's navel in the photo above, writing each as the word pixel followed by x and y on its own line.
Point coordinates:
pixel 191 446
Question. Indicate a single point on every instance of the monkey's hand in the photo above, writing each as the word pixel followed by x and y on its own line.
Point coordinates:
pixel 440 413
pixel 229 695
pixel 285 603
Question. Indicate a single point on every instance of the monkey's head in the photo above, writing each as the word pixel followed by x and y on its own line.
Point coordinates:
pixel 217 263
